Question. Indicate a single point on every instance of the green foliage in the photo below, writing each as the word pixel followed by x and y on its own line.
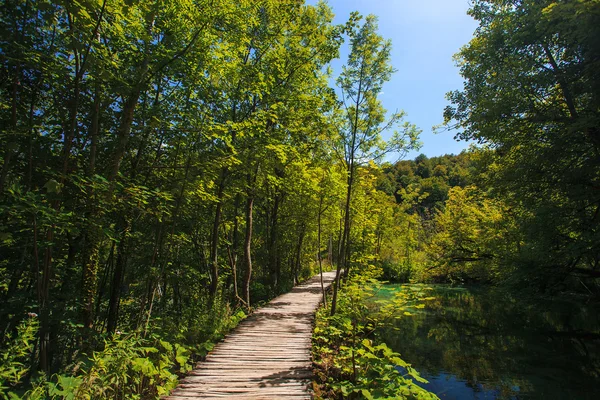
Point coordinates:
pixel 14 354
pixel 428 178
pixel 475 237
pixel 360 120
pixel 132 137
pixel 531 95
pixel 163 165
pixel 350 364
pixel 129 367
pixel 420 190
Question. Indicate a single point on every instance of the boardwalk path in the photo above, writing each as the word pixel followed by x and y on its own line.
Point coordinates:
pixel 266 357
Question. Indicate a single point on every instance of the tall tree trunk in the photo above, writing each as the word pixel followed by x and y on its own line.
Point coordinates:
pixel 214 243
pixel 232 250
pixel 297 264
pixel 93 237
pixel 94 130
pixel 69 136
pixel 343 263
pixel 330 250
pixel 340 235
pixel 80 69
pixel 273 249
pixel 117 281
pixel 10 149
pixel 247 248
pixel 124 132
pixel 319 257
pixel 71 128
pixel 151 286
pixel 93 233
pixel 168 251
pixel 108 272
pixel 69 133
pixel 42 299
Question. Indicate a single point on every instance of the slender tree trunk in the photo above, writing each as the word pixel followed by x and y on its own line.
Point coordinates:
pixel 232 250
pixel 247 248
pixel 151 280
pixel 69 134
pixel 94 130
pixel 80 69
pixel 42 298
pixel 30 138
pixel 8 153
pixel 118 277
pixel 340 235
pixel 330 250
pixel 214 245
pixel 319 257
pixel 562 83
pixel 274 259
pixel 108 271
pixel 90 272
pixel 346 235
pixel 168 251
pixel 343 263
pixel 297 264
pixel 129 107
pixel 93 234
pixel 123 134
pixel 10 149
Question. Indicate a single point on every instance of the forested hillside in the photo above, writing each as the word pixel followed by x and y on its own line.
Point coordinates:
pixel 168 165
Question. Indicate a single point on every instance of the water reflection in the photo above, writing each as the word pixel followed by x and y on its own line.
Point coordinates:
pixel 476 344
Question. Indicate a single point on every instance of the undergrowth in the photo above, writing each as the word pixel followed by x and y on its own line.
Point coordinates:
pixel 350 361
pixel 135 365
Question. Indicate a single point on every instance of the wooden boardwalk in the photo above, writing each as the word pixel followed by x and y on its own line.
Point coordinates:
pixel 267 356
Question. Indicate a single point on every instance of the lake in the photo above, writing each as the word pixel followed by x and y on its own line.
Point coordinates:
pixel 473 343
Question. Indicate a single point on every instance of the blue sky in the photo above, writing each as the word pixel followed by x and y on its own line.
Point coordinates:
pixel 425 35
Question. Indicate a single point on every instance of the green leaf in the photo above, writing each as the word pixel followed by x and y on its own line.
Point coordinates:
pixel 166 345
pixel 52 186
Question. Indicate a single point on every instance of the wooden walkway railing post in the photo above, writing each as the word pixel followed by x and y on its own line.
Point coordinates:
pixel 267 356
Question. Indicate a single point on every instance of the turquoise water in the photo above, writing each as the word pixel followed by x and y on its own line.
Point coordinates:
pixel 478 344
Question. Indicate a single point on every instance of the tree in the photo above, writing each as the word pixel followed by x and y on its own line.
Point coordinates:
pixel 127 136
pixel 362 118
pixel 531 94
pixel 474 238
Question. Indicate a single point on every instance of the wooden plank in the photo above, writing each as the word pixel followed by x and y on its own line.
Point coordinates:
pixel 241 384
pixel 282 365
pixel 272 373
pixel 237 378
pixel 241 349
pixel 233 350
pixel 245 396
pixel 237 397
pixel 258 357
pixel 266 357
pixel 258 390
pixel 265 375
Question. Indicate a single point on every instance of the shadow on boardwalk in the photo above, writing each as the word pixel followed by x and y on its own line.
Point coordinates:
pixel 267 356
